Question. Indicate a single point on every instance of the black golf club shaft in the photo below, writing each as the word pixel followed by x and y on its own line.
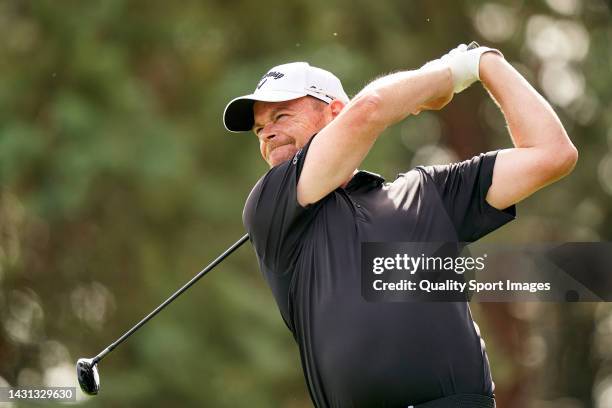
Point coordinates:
pixel 193 280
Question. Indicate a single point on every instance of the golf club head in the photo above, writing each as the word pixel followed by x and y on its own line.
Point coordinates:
pixel 87 374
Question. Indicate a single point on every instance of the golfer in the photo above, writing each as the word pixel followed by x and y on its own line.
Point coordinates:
pixel 307 216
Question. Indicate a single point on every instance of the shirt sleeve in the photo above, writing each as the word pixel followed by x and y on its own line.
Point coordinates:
pixel 273 217
pixel 463 189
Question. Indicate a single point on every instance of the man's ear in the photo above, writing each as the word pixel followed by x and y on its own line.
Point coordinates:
pixel 336 107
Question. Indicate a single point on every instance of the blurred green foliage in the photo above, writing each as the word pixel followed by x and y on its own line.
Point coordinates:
pixel 118 183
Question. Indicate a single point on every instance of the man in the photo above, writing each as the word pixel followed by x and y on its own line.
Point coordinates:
pixel 308 215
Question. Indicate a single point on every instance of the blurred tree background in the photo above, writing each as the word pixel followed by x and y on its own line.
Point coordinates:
pixel 118 183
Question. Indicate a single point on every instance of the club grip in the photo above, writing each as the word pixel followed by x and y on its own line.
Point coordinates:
pixel 473 45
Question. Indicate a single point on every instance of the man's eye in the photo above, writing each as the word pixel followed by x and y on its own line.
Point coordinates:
pixel 280 116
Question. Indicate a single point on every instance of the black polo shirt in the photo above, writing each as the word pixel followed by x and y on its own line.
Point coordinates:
pixel 360 354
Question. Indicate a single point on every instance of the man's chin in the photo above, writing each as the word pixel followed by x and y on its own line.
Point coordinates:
pixel 281 155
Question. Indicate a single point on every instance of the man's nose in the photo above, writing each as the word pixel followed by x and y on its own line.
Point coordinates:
pixel 267 133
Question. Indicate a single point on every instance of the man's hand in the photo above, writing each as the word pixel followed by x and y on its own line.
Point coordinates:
pixel 464 64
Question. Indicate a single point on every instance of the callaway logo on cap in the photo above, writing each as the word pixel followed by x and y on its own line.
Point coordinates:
pixel 283 83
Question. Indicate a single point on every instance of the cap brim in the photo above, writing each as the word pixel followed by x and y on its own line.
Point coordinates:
pixel 238 114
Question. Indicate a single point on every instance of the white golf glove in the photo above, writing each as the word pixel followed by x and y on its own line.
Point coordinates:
pixel 464 65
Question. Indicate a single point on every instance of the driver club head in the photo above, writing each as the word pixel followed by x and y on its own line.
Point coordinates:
pixel 87 374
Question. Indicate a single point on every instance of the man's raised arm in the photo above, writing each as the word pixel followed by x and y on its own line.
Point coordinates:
pixel 543 152
pixel 341 146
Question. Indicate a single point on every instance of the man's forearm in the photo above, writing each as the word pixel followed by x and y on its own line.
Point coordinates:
pixel 531 120
pixel 408 92
pixel 543 152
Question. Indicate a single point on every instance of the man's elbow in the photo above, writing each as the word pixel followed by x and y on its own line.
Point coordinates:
pixel 569 159
pixel 564 160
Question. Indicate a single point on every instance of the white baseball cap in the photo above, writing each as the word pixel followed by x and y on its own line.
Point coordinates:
pixel 283 83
